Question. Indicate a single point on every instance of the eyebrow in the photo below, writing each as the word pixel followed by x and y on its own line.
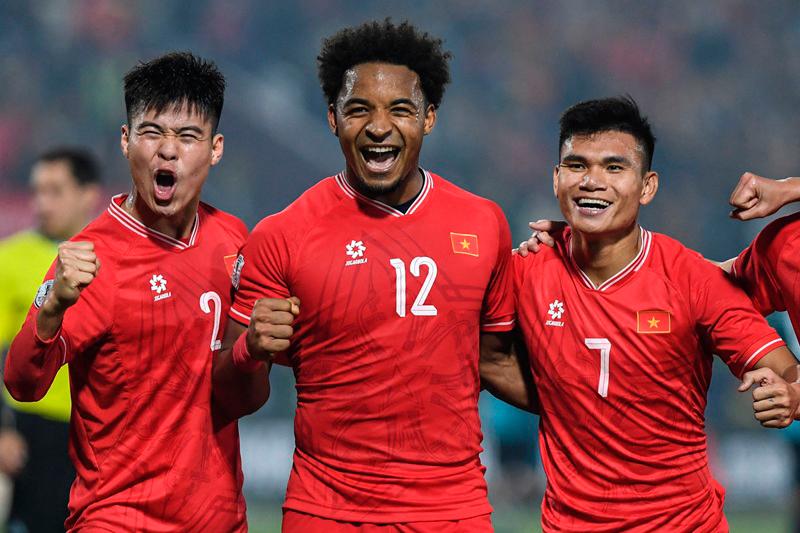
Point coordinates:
pixel 157 126
pixel 365 102
pixel 574 158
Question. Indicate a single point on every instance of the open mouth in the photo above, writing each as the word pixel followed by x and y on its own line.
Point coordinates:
pixel 165 181
pixel 379 159
pixel 591 206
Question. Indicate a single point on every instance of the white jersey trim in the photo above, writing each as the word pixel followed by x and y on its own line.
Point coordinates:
pixel 645 240
pixel 64 343
pixel 348 189
pixel 493 324
pixel 767 345
pixel 137 227
pixel 240 315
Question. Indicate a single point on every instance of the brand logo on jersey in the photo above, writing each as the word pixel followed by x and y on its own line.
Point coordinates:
pixel 556 311
pixel 464 243
pixel 356 250
pixel 41 294
pixel 236 275
pixel 653 321
pixel 158 284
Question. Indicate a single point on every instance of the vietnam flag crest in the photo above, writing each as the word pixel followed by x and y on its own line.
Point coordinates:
pixel 653 321
pixel 464 243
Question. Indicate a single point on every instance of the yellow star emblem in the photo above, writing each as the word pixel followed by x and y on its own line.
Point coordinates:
pixel 653 322
pixel 464 244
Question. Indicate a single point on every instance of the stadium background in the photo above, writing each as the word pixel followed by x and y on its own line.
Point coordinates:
pixel 719 81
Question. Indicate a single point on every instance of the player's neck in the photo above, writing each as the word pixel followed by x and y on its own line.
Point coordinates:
pixel 603 257
pixel 408 188
pixel 178 226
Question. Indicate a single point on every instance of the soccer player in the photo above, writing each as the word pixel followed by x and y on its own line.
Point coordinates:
pixel 620 324
pixel 381 281
pixel 133 305
pixel 65 187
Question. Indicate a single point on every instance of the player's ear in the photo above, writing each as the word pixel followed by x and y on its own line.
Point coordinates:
pixel 650 187
pixel 555 180
pixel 430 119
pixel 217 147
pixel 332 120
pixel 123 140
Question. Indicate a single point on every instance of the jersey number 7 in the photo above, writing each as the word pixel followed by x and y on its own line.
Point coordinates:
pixel 604 345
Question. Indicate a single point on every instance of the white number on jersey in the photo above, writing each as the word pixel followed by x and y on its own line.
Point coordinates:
pixel 604 345
pixel 419 308
pixel 205 299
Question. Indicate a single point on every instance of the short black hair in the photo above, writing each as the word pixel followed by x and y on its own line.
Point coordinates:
pixel 619 113
pixel 384 42
pixel 82 164
pixel 173 80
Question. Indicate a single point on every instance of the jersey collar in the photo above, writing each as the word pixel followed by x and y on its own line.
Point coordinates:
pixel 645 239
pixel 348 189
pixel 131 224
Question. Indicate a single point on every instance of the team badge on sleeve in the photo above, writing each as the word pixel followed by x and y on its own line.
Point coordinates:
pixel 464 243
pixel 653 321
pixel 42 293
pixel 236 275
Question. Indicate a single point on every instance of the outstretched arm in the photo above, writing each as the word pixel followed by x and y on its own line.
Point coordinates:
pixel 505 371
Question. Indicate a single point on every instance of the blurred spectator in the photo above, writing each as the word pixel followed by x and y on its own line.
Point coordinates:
pixel 33 438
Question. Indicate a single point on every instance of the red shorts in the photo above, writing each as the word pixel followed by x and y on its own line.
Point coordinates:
pixel 297 522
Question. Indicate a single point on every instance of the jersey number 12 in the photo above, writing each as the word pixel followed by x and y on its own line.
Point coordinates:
pixel 420 308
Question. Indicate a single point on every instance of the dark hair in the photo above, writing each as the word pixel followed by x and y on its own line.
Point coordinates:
pixel 82 164
pixel 384 42
pixel 174 80
pixel 609 114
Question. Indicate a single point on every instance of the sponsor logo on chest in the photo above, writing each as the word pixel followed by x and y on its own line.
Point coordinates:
pixel 158 285
pixel 355 250
pixel 556 313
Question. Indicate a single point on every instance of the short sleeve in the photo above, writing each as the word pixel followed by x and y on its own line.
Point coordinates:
pixel 498 303
pixel 262 268
pixel 753 271
pixel 730 325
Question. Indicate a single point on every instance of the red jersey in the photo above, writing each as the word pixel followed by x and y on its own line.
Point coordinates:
pixel 769 269
pixel 385 350
pixel 150 452
pixel 622 370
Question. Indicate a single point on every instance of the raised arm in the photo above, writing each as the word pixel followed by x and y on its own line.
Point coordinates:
pixel 756 196
pixel 505 372
pixel 240 377
pixel 41 346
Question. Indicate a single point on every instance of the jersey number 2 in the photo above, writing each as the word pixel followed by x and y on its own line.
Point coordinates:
pixel 604 345
pixel 205 299
pixel 420 308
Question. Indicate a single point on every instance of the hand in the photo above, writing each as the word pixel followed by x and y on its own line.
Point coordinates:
pixel 775 401
pixel 757 197
pixel 270 328
pixel 76 267
pixel 543 233
pixel 13 452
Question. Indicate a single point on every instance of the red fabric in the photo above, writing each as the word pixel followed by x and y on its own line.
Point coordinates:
pixel 241 356
pixel 150 452
pixel 769 269
pixel 634 459
pixel 295 522
pixel 387 426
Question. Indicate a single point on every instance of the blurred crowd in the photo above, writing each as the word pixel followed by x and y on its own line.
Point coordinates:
pixel 719 81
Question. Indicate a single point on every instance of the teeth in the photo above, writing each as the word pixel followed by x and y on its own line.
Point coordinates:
pixel 593 202
pixel 380 149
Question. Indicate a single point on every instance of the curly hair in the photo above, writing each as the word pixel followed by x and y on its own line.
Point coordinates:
pixel 384 42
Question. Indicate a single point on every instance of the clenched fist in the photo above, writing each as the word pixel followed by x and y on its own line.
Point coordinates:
pixel 270 330
pixel 756 196
pixel 775 402
pixel 76 267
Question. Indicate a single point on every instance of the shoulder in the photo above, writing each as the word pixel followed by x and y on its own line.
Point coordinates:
pixel 316 202
pixel 463 199
pixel 229 223
pixel 680 264
pixel 779 238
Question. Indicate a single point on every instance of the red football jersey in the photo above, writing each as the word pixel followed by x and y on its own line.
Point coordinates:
pixel 385 349
pixel 622 371
pixel 150 452
pixel 769 269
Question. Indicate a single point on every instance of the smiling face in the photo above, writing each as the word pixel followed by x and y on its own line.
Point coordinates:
pixel 381 118
pixel 170 154
pixel 600 183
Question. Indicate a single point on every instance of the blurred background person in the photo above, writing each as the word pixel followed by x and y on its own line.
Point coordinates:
pixel 33 440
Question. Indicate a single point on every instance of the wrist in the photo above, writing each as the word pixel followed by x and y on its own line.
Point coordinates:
pixel 242 358
pixel 791 188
